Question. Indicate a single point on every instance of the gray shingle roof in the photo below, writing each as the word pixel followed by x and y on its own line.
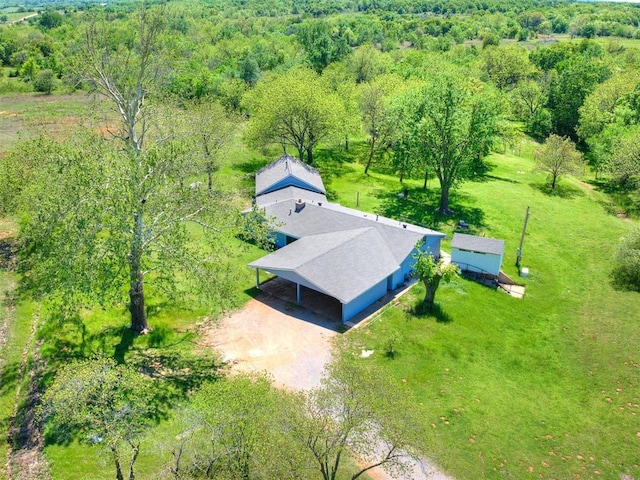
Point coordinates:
pixel 288 166
pixel 339 263
pixel 314 219
pixel 462 241
pixel 289 193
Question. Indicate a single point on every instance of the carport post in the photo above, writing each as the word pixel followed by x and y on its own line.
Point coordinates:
pixel 258 278
pixel 298 293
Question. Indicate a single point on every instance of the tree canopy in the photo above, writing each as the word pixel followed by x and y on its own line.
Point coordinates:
pixel 451 124
pixel 559 156
pixel 294 109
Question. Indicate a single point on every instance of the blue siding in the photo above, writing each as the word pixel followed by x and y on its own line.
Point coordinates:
pixel 290 182
pixel 358 304
pixel 432 243
pixel 279 239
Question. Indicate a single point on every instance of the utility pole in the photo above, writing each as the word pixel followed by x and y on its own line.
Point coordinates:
pixel 524 229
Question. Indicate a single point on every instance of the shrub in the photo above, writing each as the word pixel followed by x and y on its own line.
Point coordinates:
pixel 626 271
pixel 43 82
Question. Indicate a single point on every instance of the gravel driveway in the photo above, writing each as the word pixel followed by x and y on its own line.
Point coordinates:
pixel 272 335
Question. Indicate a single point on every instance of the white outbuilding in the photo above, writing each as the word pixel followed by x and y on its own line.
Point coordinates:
pixel 477 254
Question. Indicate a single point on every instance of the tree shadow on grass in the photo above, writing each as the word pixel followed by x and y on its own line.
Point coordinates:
pixel 487 178
pixel 420 208
pixel 251 166
pixel 561 190
pixel 422 310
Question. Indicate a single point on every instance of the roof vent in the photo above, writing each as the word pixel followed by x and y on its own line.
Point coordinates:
pixel 299 205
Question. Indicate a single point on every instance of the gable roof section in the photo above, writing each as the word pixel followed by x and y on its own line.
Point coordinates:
pixel 289 193
pixel 339 263
pixel 314 219
pixel 462 241
pixel 287 171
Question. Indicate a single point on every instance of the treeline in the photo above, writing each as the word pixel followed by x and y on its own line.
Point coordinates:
pixel 224 50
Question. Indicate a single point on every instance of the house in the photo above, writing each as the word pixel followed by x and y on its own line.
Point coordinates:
pixel 477 254
pixel 352 256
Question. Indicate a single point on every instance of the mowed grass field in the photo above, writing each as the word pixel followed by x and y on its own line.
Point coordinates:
pixel 545 387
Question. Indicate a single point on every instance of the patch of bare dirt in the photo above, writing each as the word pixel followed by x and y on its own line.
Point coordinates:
pixel 25 439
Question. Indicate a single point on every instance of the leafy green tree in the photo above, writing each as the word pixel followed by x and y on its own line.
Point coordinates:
pixel 379 119
pixel 366 63
pixel 29 69
pixel 49 19
pixel 44 82
pixel 431 272
pixel 576 78
pixel 451 125
pixel 626 270
pixel 322 43
pixel 103 404
pixel 212 130
pixel 239 428
pixel 528 105
pixel 624 157
pixel 559 156
pixel 358 410
pixel 294 109
pixel 117 212
pixel 507 66
pixel 602 106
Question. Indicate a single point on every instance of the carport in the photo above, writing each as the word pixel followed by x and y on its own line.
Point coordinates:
pixel 337 265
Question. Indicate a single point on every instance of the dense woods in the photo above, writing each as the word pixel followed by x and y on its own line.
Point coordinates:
pixel 136 209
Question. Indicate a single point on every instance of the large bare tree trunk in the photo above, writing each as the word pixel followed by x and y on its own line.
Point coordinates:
pixel 136 277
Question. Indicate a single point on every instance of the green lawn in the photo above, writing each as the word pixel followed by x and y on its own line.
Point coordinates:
pixel 542 387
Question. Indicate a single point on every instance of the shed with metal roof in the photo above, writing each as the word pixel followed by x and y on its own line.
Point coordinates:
pixel 477 254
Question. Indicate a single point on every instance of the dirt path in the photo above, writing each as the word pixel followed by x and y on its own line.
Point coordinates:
pixel 25 444
pixel 24 437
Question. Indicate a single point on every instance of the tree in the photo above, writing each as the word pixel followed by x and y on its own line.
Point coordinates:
pixel 49 19
pixel 239 428
pixel 559 156
pixel 104 404
pixel 358 410
pixel 378 118
pixel 366 63
pixel 294 109
pixel 44 81
pixel 431 273
pixel 322 43
pixel 600 106
pixel 212 130
pixel 507 66
pixel 577 77
pixel 117 212
pixel 626 270
pixel 451 124
pixel 624 157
